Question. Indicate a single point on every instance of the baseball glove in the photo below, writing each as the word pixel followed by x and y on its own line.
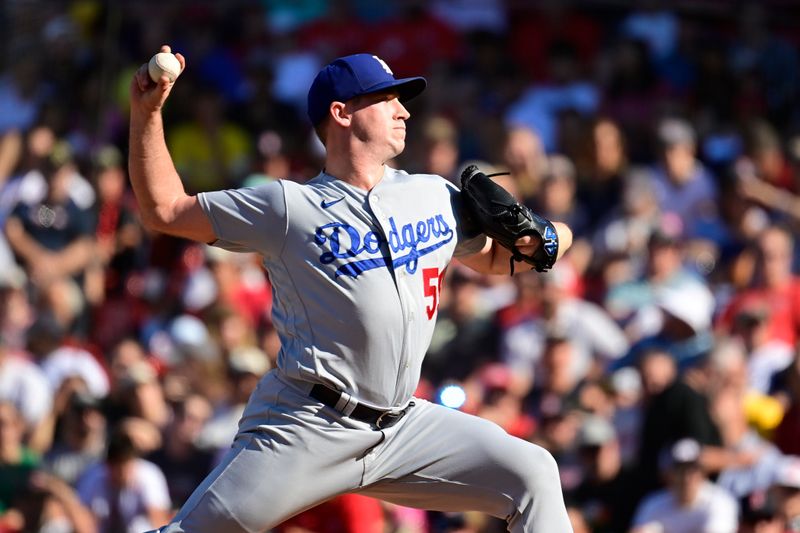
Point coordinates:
pixel 491 208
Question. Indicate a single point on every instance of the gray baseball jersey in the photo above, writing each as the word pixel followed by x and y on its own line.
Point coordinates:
pixel 356 274
pixel 356 277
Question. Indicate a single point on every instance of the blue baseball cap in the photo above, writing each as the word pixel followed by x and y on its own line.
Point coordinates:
pixel 351 76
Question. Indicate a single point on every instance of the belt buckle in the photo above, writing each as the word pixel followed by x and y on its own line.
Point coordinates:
pixel 391 418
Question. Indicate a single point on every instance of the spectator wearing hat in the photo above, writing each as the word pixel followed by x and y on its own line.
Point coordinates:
pixel 49 232
pixel 627 226
pixel 682 320
pixel 734 406
pixel 683 185
pixel 625 389
pixel 767 176
pixel 185 347
pixel 691 502
pixel 633 303
pixel 555 381
pixel 81 439
pixel 271 160
pixel 606 494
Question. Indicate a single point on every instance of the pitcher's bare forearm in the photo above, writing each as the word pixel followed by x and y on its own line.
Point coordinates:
pixel 153 176
pixel 163 202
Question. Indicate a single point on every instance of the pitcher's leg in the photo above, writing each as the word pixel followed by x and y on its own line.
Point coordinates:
pixel 255 488
pixel 446 460
pixel 294 455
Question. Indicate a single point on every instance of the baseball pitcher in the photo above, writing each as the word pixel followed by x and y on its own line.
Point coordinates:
pixel 356 257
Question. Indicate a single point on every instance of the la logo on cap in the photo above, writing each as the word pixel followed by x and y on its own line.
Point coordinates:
pixel 384 65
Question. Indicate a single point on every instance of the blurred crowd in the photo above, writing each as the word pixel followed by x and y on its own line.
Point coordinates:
pixel 658 361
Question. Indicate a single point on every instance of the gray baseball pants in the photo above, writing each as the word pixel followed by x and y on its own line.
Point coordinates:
pixel 296 453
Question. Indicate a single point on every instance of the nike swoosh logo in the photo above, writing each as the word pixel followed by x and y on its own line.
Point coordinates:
pixel 328 203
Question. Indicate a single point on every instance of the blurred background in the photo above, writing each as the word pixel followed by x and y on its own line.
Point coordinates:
pixel 658 361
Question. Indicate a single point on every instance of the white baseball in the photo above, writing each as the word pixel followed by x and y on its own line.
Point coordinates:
pixel 164 63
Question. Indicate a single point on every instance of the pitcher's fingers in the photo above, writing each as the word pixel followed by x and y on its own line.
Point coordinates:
pixel 166 48
pixel 527 240
pixel 142 78
pixel 164 83
pixel 181 60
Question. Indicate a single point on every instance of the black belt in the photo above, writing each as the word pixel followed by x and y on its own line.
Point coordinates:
pixel 378 418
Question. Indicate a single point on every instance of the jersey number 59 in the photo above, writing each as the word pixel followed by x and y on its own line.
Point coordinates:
pixel 432 285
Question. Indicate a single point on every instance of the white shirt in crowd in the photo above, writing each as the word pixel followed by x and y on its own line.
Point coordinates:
pixel 23 384
pixel 147 490
pixel 592 331
pixel 766 361
pixel 713 511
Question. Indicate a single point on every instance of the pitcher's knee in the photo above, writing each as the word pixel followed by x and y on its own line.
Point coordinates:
pixel 539 470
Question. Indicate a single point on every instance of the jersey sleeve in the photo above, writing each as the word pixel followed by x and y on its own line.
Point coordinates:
pixel 250 219
pixel 465 244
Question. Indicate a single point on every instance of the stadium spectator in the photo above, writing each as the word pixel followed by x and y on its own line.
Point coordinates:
pixel 600 182
pixel 125 493
pixel 774 286
pixel 683 185
pixel 604 493
pixel 184 464
pixel 24 385
pixel 595 337
pixel 673 411
pixel 49 232
pixel 692 502
pixel 81 440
